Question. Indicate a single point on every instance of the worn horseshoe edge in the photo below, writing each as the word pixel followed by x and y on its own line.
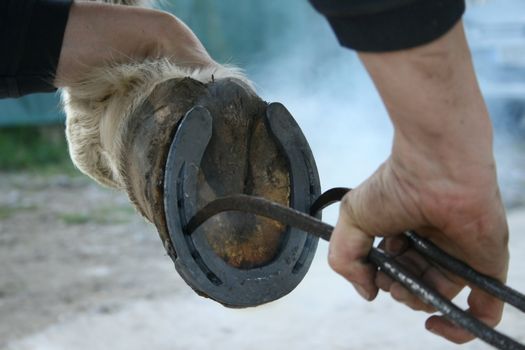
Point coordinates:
pixel 230 286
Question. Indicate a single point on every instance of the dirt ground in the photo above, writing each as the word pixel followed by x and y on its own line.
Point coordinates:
pixel 69 246
pixel 79 269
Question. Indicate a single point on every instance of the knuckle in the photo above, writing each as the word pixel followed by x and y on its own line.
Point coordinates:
pixel 337 264
pixel 427 308
pixel 346 206
pixel 494 319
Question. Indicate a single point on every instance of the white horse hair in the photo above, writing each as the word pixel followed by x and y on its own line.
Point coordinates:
pixel 98 108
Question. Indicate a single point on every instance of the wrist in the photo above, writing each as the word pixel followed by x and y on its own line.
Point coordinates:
pixel 433 98
pixel 457 141
pixel 464 162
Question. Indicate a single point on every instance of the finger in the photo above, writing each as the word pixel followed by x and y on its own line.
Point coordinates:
pixel 364 212
pixel 439 325
pixel 404 296
pixel 434 279
pixel 383 281
pixel 348 253
pixel 415 265
pixel 396 245
pixel 483 306
pixel 430 275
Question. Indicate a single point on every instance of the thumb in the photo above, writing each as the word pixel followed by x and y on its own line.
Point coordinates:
pixel 349 247
pixel 365 212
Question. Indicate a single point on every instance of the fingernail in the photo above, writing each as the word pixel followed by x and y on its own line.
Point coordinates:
pixel 433 331
pixel 395 246
pixel 362 292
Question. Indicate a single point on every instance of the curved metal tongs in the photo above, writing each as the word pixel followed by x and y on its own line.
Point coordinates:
pixel 385 263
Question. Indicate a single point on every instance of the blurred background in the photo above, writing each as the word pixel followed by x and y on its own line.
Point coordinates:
pixel 80 270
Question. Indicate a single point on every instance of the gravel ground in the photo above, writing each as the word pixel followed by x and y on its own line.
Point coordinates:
pixel 79 269
pixel 68 246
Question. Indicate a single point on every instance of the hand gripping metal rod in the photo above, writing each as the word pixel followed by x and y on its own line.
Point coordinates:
pixel 387 264
pixel 439 256
pixel 487 283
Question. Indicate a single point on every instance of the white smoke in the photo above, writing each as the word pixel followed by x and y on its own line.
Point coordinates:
pixel 496 33
pixel 330 95
pixel 332 98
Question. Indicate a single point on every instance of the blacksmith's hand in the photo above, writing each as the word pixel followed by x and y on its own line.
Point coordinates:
pixel 98 34
pixel 440 181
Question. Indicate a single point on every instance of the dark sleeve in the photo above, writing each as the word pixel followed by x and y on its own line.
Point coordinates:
pixel 388 25
pixel 31 33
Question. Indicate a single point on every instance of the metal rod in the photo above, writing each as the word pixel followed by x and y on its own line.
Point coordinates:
pixel 439 256
pixel 429 296
pixel 263 207
pixel 290 216
pixel 327 198
pixel 487 283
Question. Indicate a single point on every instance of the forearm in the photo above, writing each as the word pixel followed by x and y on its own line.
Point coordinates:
pixel 98 34
pixel 432 96
pixel 440 179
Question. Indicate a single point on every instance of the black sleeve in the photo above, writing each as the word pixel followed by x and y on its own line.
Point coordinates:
pixel 31 33
pixel 388 25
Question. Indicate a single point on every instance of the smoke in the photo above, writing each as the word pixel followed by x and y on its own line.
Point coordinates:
pixel 329 94
pixel 496 33
pixel 332 98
